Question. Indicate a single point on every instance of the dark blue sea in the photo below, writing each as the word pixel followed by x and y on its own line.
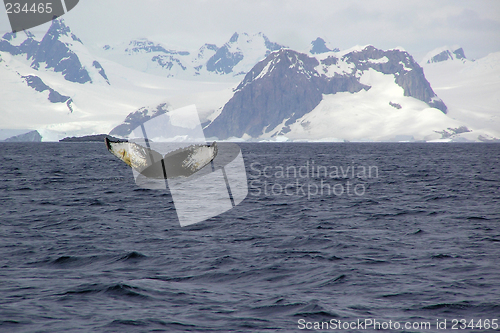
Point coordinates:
pixel 313 247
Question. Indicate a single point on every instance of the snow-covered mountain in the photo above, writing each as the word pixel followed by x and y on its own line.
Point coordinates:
pixel 248 88
pixel 357 94
pixel 471 89
pixel 233 59
pixel 56 51
pixel 53 83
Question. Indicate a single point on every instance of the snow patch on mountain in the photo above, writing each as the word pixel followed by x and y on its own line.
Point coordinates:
pixel 341 65
pixel 368 115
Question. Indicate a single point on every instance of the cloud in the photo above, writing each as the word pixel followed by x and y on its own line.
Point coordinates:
pixel 417 25
pixel 470 20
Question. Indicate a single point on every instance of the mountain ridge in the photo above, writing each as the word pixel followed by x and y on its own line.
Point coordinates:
pixel 287 85
pixel 54 50
pixel 234 58
pixel 355 94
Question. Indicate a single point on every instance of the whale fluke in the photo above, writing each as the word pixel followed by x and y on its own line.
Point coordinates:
pixel 182 162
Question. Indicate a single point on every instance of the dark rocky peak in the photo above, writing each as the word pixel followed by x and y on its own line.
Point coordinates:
pixel 57 55
pixel 367 53
pixel 223 61
pixel 459 53
pixel 298 61
pixel 36 83
pixel 100 70
pixel 230 54
pixel 448 54
pixel 28 46
pixel 407 72
pixel 57 29
pixel 168 61
pixel 234 38
pixel 281 88
pixel 276 89
pixel 6 46
pixel 10 36
pixel 76 39
pixel 319 46
pixel 387 62
pixel 282 61
pixel 443 56
pixel 53 51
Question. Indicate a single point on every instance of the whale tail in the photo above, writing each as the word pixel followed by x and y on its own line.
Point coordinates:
pixel 182 162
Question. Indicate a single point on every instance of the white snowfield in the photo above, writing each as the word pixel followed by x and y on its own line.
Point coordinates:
pixel 368 116
pixel 186 64
pixel 98 106
pixel 469 89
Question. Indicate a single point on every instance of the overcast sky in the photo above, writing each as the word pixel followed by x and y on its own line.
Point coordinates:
pixel 418 26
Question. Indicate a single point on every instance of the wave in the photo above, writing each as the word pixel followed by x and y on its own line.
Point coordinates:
pixel 116 290
pixel 132 256
pixel 150 323
pixel 278 308
pixel 483 308
pixel 315 311
pixel 337 280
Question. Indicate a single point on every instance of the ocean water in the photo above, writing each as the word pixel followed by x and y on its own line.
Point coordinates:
pixel 411 236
